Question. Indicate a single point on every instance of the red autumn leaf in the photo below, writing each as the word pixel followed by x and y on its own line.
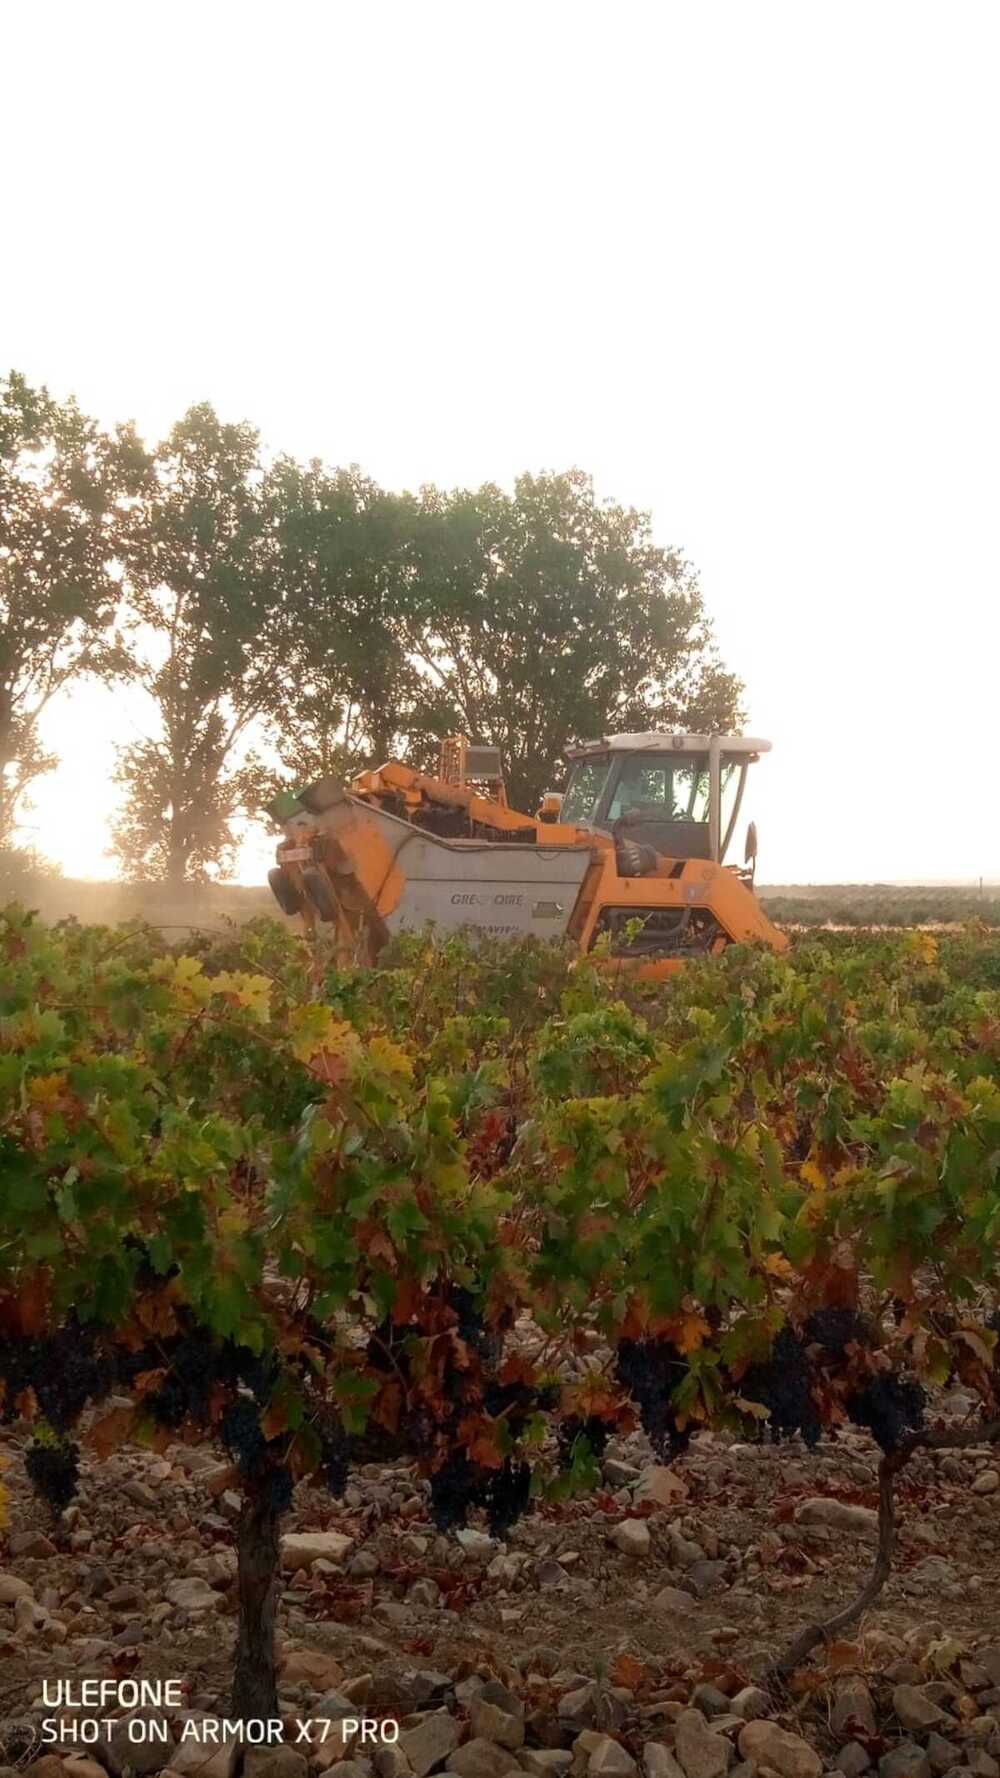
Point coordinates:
pixel 629 1672
pixel 518 1369
pixel 110 1431
pixel 387 1406
pixel 407 1302
pixel 148 1380
pixel 480 1436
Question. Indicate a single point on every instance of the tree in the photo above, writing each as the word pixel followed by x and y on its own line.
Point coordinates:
pixel 549 617
pixel 61 486
pixel 200 580
pixel 345 549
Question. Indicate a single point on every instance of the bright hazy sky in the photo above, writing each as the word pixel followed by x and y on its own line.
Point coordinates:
pixel 739 260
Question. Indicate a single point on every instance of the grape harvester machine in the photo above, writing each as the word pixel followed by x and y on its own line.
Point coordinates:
pixel 631 854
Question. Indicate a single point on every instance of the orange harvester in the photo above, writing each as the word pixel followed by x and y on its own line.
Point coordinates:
pixel 632 852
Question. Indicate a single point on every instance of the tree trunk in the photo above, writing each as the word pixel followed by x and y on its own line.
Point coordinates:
pixel 255 1689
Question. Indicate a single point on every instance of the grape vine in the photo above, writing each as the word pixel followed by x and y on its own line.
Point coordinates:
pixel 310 1229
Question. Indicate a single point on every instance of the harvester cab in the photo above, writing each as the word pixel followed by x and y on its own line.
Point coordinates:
pixel 677 794
pixel 628 861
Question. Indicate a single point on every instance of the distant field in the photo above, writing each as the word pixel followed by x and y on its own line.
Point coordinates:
pixel 879 904
pixel 807 904
pixel 106 904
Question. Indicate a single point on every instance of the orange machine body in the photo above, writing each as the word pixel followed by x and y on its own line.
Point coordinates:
pixel 401 849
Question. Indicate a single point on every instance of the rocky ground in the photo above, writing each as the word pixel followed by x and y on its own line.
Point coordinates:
pixel 617 1635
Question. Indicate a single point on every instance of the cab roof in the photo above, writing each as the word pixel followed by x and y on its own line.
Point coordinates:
pixel 660 741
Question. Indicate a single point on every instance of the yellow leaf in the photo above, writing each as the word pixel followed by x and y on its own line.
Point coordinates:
pixel 923 946
pixel 944 1654
pixel 46 1090
pixel 390 1058
pixel 754 1408
pixel 186 977
pixel 316 1032
pixel 778 1266
pixel 810 1174
pixel 250 991
pixel 692 1329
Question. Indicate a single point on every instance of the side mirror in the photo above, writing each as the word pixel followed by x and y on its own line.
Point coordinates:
pixel 750 852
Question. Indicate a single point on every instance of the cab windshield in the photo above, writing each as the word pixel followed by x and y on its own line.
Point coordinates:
pixel 585 789
pixel 662 787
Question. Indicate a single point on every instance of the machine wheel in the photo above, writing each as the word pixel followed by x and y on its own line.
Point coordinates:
pixel 319 891
pixel 284 891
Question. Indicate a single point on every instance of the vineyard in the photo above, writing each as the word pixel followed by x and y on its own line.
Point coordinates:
pixel 491 1331
pixel 883 904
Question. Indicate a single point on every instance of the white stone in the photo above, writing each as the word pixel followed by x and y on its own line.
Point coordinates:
pixel 661 1485
pixel 482 1759
pixel 192 1594
pixel 701 1752
pixel 431 1742
pixel 838 1514
pixel 13 1588
pixel 477 1546
pixel 609 1759
pixel 493 1724
pixel 632 1537
pixel 914 1710
pixel 300 1549
pixel 659 1762
pixel 789 1755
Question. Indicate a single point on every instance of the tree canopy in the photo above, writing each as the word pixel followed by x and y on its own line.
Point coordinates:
pixel 201 583
pixel 548 617
pixel 62 486
pixel 290 621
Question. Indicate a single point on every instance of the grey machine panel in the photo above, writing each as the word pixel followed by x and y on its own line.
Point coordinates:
pixel 501 888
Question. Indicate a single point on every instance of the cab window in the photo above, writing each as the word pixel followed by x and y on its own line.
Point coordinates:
pixel 662 787
pixel 585 789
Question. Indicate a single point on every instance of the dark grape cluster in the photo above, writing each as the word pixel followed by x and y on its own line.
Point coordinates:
pixel 835 1329
pixel 506 1495
pixel 890 1407
pixel 429 1431
pixel 241 1433
pixel 65 1369
pixel 199 1363
pixel 650 1370
pixel 471 1328
pixel 783 1384
pixel 335 1452
pixel 258 1459
pixel 458 1485
pixel 595 1430
pixel 53 1471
